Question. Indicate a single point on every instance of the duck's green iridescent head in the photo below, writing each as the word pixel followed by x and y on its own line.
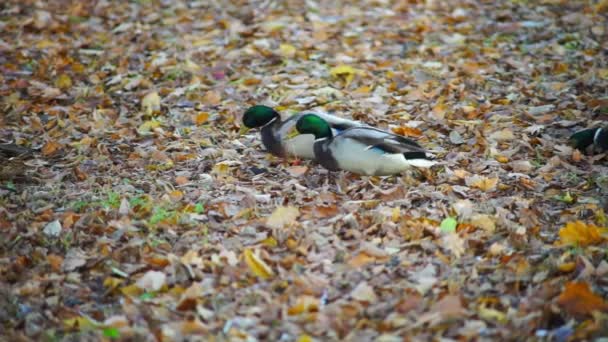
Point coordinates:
pixel 315 125
pixel 258 116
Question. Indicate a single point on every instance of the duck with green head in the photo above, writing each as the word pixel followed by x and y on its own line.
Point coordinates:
pixel 275 131
pixel 598 137
pixel 363 150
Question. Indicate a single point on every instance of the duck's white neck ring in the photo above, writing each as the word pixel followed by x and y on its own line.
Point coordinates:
pixel 597 135
pixel 271 121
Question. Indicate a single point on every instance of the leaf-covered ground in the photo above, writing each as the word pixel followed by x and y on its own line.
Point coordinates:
pixel 143 214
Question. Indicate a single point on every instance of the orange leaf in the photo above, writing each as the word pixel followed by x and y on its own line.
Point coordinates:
pixel 304 304
pixel 55 261
pixel 407 131
pixel 579 233
pixel 360 260
pixel 578 300
pixel 50 148
pixel 181 180
pixel 201 118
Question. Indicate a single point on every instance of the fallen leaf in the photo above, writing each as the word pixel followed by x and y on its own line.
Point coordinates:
pixel 361 259
pixel 146 127
pixel 297 171
pixel 55 261
pixel 52 229
pixel 151 281
pixel 282 216
pixel 201 118
pixel 364 293
pixel 578 300
pixel 453 243
pixel 304 304
pixel 150 104
pixel 407 131
pixel 63 82
pixel 344 71
pixel 483 221
pixel 502 135
pixel 73 259
pixel 448 225
pixel 578 233
pixel 212 98
pixel 257 266
pixel 51 148
pixel 449 307
pixel 287 50
pixel 481 182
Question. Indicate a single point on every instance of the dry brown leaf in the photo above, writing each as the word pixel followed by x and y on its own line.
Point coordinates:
pixel 297 171
pixel 407 131
pixel 51 148
pixel 481 182
pixel 578 300
pixel 361 260
pixel 212 98
pixel 364 293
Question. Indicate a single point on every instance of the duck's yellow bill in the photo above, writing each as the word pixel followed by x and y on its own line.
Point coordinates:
pixel 244 129
pixel 292 133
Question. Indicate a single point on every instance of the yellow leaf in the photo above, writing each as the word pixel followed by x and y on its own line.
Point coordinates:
pixel 256 265
pixel 63 82
pixel 221 168
pixel 112 282
pixel 287 50
pixel 579 233
pixel 151 103
pixel 344 71
pixel 131 290
pixel 492 314
pixel 79 323
pixel 305 338
pixel 282 216
pixel 270 242
pixel 148 126
pixel 603 73
pixel 201 118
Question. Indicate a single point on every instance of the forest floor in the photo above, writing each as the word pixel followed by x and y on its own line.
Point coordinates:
pixel 142 213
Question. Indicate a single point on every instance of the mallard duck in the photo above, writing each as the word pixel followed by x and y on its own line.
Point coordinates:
pixel 274 131
pixel 363 150
pixel 598 137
